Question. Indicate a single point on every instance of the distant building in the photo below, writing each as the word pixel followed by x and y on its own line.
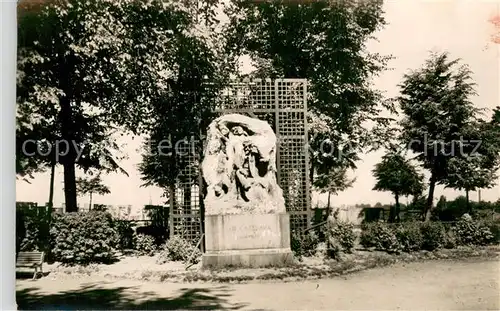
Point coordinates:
pixel 124 212
pixel 120 211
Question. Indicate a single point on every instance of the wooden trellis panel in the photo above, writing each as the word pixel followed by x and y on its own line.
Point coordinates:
pixel 283 104
pixel 185 207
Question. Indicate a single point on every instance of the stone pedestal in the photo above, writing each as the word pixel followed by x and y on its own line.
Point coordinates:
pixel 248 240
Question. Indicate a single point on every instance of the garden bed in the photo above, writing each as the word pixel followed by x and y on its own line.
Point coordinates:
pixel 146 268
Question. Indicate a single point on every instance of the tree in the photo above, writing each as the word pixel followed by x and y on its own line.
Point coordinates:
pixel 397 175
pixel 477 170
pixel 182 110
pixel 441 205
pixel 77 81
pixel 436 106
pixel 325 42
pixel 90 186
pixel 469 174
pixel 29 160
pixel 333 182
pixel 144 82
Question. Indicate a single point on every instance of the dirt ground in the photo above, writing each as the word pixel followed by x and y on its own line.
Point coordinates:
pixel 436 285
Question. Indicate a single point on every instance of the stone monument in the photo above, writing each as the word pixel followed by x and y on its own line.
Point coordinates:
pixel 246 223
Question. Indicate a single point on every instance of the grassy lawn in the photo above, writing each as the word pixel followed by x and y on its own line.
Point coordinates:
pixel 146 268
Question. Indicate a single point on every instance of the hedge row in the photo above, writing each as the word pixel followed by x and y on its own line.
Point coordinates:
pixel 94 237
pixel 415 236
pixel 393 238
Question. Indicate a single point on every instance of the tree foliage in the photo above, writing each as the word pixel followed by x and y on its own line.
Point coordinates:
pixel 72 65
pixel 32 154
pixel 469 174
pixel 197 68
pixel 325 42
pixel 495 119
pixel 89 68
pixel 335 181
pixel 397 175
pixel 92 68
pixel 478 169
pixel 91 185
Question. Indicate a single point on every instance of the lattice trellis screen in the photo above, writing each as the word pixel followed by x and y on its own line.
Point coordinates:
pixel 185 211
pixel 282 103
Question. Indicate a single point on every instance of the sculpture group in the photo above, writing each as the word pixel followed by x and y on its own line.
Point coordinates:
pixel 239 167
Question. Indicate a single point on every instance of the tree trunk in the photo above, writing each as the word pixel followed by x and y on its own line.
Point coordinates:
pixel 51 186
pixel 469 206
pixel 430 198
pixel 394 213
pixel 70 187
pixel 328 204
pixel 68 160
pixel 90 203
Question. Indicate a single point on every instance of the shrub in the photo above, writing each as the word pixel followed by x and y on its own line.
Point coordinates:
pixel 450 239
pixel 409 236
pixel 84 237
pixel 367 237
pixel 334 250
pixel 494 226
pixel 433 234
pixel 126 238
pixel 144 245
pixel 32 227
pixel 496 206
pixel 321 250
pixel 485 214
pixel 470 232
pixel 381 236
pixel 159 234
pixel 304 244
pixel 179 249
pixel 341 237
pixel 452 210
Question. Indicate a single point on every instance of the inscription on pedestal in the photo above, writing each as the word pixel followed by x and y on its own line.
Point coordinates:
pixel 254 234
pixel 247 240
pixel 251 231
pixel 238 232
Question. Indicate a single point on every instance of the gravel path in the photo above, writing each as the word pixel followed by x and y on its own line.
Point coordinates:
pixel 436 285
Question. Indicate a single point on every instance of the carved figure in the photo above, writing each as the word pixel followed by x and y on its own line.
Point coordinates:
pixel 239 167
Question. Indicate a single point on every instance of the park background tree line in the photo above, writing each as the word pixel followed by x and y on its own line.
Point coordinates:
pixel 90 69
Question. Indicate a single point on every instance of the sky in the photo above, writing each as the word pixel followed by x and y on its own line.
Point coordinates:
pixel 414 29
